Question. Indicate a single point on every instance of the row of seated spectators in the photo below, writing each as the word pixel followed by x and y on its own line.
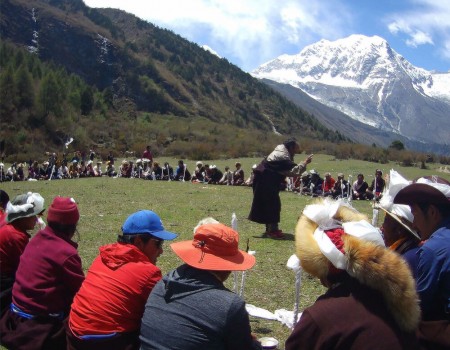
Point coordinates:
pixel 53 169
pixel 309 183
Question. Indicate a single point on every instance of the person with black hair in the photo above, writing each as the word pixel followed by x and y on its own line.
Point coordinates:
pixel 376 188
pixel 167 172
pixel 269 174
pixel 182 173
pixel 359 188
pixel 4 199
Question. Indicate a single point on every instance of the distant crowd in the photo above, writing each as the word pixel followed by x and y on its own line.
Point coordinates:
pixel 82 165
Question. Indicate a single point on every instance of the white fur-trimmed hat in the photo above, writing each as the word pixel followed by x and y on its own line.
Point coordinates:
pixel 333 238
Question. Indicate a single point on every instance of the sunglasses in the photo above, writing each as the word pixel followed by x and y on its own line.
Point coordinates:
pixel 158 242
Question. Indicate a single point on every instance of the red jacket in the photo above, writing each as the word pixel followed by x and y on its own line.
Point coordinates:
pixel 327 185
pixel 49 274
pixel 113 296
pixel 12 245
pixel 2 218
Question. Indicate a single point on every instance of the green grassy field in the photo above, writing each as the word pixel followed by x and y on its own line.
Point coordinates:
pixel 105 203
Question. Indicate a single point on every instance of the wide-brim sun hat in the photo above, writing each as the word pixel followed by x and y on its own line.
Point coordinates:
pixel 401 220
pixel 24 205
pixel 399 212
pixel 146 221
pixel 215 248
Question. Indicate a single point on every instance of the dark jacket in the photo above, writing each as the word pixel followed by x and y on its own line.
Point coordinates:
pixel 47 279
pixel 191 309
pixel 49 274
pixel 269 174
pixel 349 316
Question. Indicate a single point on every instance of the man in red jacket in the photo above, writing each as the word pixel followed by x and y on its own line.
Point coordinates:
pixel 328 185
pixel 107 311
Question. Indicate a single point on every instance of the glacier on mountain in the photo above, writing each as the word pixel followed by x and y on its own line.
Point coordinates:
pixel 366 79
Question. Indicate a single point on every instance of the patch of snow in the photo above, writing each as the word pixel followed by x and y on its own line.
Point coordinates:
pixel 274 130
pixel 207 48
pixel 439 87
pixel 34 47
pixel 103 44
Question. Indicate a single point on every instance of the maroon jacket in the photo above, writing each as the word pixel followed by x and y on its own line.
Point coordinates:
pixel 349 316
pixel 12 245
pixel 49 274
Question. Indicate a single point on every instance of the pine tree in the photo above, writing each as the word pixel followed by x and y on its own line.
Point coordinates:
pixel 7 92
pixel 24 86
pixel 49 97
pixel 87 100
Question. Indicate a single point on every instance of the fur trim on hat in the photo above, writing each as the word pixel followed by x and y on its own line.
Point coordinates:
pixel 384 270
pixel 369 263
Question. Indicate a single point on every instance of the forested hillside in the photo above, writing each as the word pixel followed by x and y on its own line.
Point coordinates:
pixel 115 82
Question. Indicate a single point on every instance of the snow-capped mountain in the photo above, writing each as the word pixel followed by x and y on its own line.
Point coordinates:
pixel 366 79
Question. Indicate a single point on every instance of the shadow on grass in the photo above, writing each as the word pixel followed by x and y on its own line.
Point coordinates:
pixel 263 330
pixel 287 237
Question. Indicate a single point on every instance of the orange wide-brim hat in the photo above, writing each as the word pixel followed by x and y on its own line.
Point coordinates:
pixel 215 248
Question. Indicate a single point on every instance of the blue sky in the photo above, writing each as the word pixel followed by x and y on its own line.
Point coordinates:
pixel 249 33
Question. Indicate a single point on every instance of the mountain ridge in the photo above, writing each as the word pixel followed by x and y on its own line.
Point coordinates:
pixel 367 80
pixel 147 73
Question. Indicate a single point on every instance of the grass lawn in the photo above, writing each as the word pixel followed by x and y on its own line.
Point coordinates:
pixel 106 202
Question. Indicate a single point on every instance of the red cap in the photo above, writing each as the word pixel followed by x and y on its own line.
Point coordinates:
pixel 64 211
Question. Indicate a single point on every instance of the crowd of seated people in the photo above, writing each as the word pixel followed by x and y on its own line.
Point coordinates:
pixel 143 168
pixel 78 166
pixel 312 184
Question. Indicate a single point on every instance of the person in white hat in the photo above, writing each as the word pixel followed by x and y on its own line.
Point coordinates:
pixel 199 172
pixel 398 230
pixel 216 175
pixel 21 217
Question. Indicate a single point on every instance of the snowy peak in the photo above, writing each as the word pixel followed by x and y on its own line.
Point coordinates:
pixel 366 79
pixel 357 61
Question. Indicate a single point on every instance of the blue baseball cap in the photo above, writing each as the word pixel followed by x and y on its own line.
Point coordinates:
pixel 146 221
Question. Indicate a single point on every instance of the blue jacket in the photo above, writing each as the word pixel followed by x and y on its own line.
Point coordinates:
pixel 433 274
